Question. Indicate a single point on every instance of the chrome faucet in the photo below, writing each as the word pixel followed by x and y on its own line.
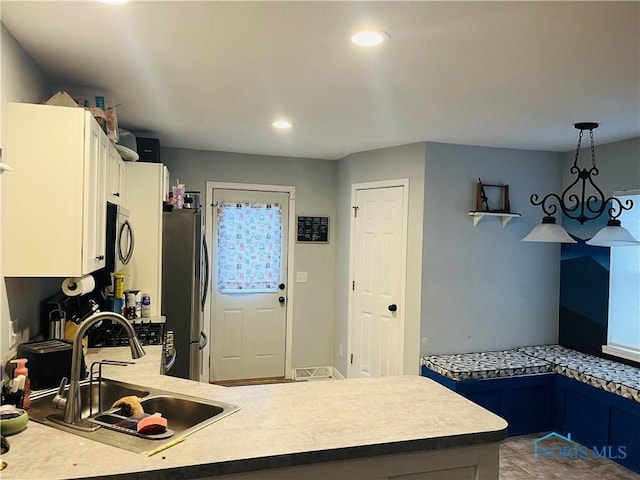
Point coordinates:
pixel 73 409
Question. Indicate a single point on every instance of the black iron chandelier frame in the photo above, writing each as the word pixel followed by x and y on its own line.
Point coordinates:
pixel 583 207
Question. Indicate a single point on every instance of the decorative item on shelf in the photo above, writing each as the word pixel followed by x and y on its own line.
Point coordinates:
pixel 499 197
pixel 583 203
pixel 104 111
pixel 62 99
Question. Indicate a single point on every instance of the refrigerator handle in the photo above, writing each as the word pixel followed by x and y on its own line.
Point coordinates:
pixel 204 340
pixel 206 273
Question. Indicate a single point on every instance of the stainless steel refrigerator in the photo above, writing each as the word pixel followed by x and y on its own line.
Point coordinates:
pixel 185 274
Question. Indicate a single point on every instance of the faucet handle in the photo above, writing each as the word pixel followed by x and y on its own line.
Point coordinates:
pixel 59 400
pixel 63 384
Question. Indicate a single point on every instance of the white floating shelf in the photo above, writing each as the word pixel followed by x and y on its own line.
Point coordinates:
pixel 504 217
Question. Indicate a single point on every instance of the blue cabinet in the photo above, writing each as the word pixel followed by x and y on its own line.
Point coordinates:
pixel 599 419
pixel 525 402
pixel 595 418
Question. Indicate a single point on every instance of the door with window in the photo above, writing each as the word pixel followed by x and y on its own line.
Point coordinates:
pixel 249 291
pixel 378 250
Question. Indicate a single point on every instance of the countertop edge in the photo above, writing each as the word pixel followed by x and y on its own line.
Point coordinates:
pixel 311 457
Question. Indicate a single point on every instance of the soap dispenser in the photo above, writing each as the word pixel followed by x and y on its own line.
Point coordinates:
pixel 21 369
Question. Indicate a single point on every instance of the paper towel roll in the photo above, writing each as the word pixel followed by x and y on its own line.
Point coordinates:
pixel 74 286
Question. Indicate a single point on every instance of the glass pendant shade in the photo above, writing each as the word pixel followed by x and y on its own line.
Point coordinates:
pixel 549 231
pixel 613 235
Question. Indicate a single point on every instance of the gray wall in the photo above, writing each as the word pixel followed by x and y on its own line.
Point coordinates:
pixel 483 288
pixel 315 182
pixel 406 161
pixel 22 81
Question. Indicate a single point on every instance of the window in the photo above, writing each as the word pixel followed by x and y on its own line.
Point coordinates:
pixel 249 247
pixel 623 331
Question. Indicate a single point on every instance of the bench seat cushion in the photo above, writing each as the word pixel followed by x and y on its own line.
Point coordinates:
pixel 608 375
pixel 483 365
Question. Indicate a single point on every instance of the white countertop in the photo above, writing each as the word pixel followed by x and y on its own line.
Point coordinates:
pixel 299 421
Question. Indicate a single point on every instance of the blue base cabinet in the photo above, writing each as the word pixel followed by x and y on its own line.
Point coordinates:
pixel 598 419
pixel 525 402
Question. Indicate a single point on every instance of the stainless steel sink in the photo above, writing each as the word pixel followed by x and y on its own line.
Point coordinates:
pixel 181 413
pixel 184 414
pixel 90 398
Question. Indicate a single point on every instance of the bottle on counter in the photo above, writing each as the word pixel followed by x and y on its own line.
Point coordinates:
pixel 146 305
pixel 132 305
pixel 21 369
pixel 118 285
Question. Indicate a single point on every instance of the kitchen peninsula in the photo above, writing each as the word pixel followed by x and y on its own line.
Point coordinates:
pixel 387 428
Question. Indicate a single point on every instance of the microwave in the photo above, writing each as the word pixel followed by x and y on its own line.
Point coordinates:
pixel 120 238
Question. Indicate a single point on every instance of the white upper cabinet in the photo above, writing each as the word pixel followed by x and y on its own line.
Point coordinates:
pixel 115 176
pixel 54 204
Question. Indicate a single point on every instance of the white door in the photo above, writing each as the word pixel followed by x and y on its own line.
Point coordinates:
pixel 249 259
pixel 378 250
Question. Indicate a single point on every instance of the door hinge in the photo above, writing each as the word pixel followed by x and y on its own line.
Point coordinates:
pixel 352 359
pixel 355 211
pixel 353 285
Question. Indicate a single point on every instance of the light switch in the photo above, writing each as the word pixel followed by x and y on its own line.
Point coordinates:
pixel 301 277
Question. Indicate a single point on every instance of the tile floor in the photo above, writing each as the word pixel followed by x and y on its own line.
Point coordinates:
pixel 517 462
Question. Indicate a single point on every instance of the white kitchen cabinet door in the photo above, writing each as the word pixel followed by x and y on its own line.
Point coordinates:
pixel 144 193
pixel 115 176
pixel 54 207
pixel 94 213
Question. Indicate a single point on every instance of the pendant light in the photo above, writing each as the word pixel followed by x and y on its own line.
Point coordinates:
pixel 549 231
pixel 577 203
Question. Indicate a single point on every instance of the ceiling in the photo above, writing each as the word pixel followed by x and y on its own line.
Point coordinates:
pixel 214 75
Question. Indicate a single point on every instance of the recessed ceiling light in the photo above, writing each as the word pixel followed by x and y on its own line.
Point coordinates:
pixel 282 124
pixel 369 38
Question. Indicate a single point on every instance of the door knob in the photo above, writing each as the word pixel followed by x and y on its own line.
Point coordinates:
pixel 281 300
pixel 393 307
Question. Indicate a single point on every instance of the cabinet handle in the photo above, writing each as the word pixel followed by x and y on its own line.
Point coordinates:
pixel 117 194
pixel 100 257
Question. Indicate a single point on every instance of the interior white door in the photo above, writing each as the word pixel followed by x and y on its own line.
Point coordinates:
pixel 377 323
pixel 249 259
